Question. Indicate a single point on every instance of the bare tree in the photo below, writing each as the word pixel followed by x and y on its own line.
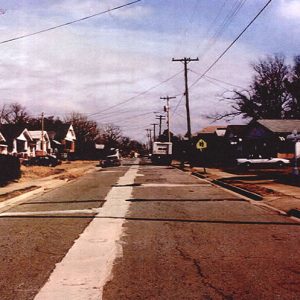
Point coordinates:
pixel 111 135
pixel 267 96
pixel 293 85
pixel 14 113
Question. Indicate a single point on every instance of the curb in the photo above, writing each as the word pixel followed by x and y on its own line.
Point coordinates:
pixel 230 187
pixel 8 204
pixel 238 190
pixel 294 213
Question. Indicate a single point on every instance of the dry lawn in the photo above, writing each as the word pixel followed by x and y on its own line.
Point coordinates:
pixel 65 171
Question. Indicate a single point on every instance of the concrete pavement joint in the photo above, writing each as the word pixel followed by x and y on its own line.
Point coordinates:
pixel 44 188
pixel 143 219
pixel 236 191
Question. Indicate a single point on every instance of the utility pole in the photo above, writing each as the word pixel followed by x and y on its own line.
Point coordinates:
pixel 168 114
pixel 185 61
pixel 149 135
pixel 154 131
pixel 42 138
pixel 160 118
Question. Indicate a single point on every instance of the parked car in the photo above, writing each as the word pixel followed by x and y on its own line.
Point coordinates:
pixel 260 161
pixel 46 160
pixel 112 160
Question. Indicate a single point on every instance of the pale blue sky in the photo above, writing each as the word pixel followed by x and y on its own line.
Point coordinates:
pixel 92 65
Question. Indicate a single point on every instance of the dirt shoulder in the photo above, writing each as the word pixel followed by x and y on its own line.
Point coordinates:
pixel 67 170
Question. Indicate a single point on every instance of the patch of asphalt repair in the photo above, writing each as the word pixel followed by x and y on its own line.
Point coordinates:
pixel 87 266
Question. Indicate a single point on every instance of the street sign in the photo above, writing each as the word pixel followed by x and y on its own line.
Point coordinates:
pixel 201 144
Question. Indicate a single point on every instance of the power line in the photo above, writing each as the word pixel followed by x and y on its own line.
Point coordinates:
pixel 131 117
pixel 177 105
pixel 216 84
pixel 138 95
pixel 237 6
pixel 225 82
pixel 71 22
pixel 231 44
pixel 218 80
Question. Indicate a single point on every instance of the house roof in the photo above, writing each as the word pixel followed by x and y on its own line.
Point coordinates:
pixel 60 132
pixel 212 129
pixel 236 130
pixel 2 138
pixel 219 130
pixel 280 126
pixel 11 131
pixel 37 134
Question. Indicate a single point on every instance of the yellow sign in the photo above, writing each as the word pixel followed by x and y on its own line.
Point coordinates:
pixel 201 144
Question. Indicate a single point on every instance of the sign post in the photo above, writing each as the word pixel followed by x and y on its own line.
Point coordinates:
pixel 295 137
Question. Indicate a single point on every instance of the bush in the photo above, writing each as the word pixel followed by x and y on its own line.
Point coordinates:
pixel 9 168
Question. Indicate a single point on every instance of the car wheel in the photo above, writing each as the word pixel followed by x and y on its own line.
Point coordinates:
pixel 247 165
pixel 280 164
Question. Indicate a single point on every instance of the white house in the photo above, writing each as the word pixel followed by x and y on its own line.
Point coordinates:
pixel 42 141
pixel 3 145
pixel 18 139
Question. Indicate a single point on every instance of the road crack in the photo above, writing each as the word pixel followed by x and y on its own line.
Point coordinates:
pixel 204 279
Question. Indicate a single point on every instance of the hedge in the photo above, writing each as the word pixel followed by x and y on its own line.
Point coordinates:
pixel 9 168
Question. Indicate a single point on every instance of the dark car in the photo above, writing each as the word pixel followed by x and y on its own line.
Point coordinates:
pixel 46 160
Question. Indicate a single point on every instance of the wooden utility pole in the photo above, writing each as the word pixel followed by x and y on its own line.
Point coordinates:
pixel 160 118
pixel 154 132
pixel 149 135
pixel 168 114
pixel 42 137
pixel 185 61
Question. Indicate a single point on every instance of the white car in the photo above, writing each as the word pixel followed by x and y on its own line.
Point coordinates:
pixel 255 161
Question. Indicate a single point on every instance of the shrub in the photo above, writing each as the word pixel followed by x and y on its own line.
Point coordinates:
pixel 9 168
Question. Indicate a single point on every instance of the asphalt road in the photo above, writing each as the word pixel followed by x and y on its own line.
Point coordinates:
pixel 31 245
pixel 187 239
pixel 161 233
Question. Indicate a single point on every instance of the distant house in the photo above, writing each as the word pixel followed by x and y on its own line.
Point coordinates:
pixel 3 144
pixel 268 138
pixel 42 141
pixel 234 137
pixel 209 146
pixel 18 139
pixel 63 140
